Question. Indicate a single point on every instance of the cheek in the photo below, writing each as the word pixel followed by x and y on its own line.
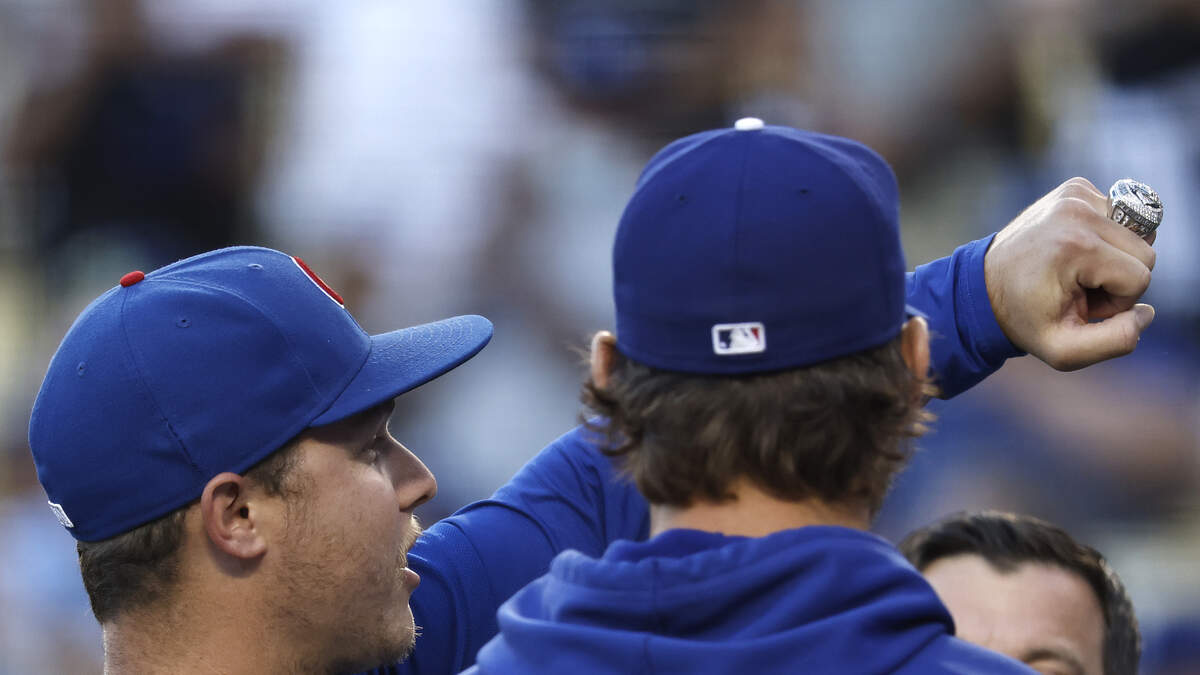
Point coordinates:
pixel 359 490
pixel 369 512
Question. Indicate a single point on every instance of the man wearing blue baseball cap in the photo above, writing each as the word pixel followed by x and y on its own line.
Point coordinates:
pixel 763 388
pixel 214 435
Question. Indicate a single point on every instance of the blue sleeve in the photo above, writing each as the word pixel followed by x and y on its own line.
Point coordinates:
pixel 967 342
pixel 567 497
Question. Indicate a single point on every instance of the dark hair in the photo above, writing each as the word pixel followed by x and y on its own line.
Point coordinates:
pixel 836 431
pixel 1006 540
pixel 140 567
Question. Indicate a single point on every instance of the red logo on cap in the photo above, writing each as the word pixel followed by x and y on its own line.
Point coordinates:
pixel 319 282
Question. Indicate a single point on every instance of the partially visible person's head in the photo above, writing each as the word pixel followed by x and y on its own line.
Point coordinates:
pixel 214 434
pixel 1025 588
pixel 762 332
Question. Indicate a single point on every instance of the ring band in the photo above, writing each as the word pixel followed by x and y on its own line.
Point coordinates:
pixel 1135 206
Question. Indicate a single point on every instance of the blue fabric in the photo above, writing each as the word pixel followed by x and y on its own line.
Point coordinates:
pixel 747 251
pixel 967 343
pixel 208 365
pixel 810 600
pixel 569 496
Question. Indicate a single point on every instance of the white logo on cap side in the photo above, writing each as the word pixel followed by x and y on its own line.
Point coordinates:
pixel 61 515
pixel 739 338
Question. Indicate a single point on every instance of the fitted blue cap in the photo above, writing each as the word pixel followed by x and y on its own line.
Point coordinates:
pixel 209 365
pixel 758 248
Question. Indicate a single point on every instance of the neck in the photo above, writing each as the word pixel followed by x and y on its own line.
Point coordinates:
pixel 755 513
pixel 231 640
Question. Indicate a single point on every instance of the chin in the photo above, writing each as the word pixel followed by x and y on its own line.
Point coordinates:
pixel 379 656
pixel 391 642
pixel 404 646
pixel 401 638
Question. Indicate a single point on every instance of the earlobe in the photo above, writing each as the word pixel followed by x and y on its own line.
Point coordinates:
pixel 604 350
pixel 229 519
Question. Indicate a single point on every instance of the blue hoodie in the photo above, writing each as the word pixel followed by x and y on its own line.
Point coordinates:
pixel 809 600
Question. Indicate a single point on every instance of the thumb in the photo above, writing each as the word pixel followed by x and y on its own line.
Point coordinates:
pixel 1084 344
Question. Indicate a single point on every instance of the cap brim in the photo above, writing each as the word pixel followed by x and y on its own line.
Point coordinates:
pixel 405 359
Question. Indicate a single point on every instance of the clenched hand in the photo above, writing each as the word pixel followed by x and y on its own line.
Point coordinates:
pixel 1064 280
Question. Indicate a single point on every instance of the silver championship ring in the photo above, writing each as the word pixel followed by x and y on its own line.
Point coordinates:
pixel 1135 206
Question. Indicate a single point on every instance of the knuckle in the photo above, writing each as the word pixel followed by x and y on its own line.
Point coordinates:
pixel 1074 191
pixel 1075 240
pixel 1071 208
pixel 1143 279
pixel 1079 182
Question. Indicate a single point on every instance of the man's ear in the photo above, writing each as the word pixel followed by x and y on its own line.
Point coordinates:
pixel 604 352
pixel 914 346
pixel 230 520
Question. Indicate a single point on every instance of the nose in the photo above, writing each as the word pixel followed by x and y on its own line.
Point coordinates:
pixel 413 481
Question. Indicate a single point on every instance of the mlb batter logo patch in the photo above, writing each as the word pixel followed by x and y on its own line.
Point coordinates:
pixel 739 338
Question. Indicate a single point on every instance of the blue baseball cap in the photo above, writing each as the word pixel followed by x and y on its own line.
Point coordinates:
pixel 759 248
pixel 209 365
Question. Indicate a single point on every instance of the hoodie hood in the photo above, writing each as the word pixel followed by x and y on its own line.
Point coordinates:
pixel 815 599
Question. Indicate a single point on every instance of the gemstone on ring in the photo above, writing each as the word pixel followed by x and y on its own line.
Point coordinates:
pixel 1135 205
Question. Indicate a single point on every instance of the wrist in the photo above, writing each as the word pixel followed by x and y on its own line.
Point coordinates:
pixel 979 281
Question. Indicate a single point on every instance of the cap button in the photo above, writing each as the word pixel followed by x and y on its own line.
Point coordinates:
pixel 748 124
pixel 132 278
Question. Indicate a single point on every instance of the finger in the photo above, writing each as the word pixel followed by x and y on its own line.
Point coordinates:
pixel 1082 188
pixel 1125 240
pixel 1079 345
pixel 1113 270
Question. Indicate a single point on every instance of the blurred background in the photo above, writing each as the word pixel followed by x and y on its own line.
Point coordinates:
pixel 439 158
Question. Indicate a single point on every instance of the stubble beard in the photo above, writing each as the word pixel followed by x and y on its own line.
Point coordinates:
pixel 354 612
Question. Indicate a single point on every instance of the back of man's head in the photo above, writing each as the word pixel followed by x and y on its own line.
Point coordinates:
pixel 1009 542
pixel 759 290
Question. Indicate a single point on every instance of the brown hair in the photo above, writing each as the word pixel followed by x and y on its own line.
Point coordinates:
pixel 141 567
pixel 1006 540
pixel 837 431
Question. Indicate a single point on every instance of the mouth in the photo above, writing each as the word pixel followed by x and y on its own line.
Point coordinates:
pixel 410 578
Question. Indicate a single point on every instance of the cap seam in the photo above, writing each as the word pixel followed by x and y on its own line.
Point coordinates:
pixel 137 369
pixel 175 267
pixel 741 280
pixel 274 324
pixel 855 172
pixel 859 172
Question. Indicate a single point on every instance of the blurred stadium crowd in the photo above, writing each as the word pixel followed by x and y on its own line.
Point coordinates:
pixel 441 158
